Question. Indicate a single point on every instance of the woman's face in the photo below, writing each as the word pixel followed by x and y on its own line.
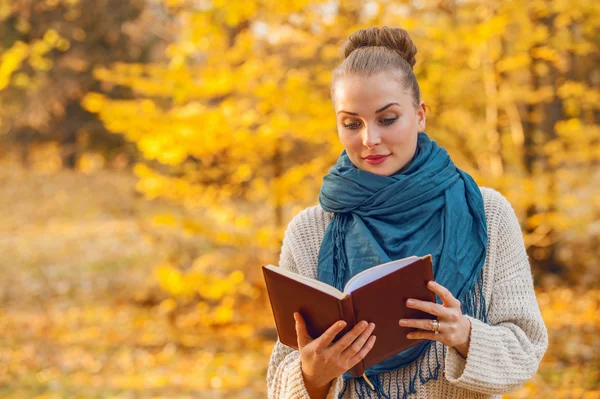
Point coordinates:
pixel 377 122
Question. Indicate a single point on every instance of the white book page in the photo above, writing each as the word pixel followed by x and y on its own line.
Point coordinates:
pixel 366 276
pixel 316 284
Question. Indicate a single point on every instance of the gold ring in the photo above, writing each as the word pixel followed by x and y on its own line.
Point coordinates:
pixel 436 327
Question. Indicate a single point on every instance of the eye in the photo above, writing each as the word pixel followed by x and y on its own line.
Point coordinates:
pixel 352 126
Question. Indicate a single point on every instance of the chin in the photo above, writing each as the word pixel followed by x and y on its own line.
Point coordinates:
pixel 382 171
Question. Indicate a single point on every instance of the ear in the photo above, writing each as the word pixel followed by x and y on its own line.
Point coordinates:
pixel 421 116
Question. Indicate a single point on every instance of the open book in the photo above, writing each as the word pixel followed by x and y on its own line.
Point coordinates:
pixel 377 295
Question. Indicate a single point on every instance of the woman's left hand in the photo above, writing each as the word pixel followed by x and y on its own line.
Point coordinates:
pixel 454 328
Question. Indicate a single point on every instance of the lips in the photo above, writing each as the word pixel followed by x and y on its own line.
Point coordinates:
pixel 375 157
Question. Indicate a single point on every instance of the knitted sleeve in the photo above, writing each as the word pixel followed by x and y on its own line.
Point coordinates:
pixel 506 351
pixel 284 374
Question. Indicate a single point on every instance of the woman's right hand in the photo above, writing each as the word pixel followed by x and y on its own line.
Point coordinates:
pixel 323 361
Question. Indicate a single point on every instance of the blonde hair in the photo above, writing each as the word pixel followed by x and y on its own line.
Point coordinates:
pixel 368 52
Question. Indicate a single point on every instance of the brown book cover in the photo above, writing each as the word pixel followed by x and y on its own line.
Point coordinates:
pixel 376 295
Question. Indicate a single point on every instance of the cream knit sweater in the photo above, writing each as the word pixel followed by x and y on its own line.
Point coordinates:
pixel 503 353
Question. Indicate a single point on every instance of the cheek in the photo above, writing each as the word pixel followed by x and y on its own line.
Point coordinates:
pixel 349 140
pixel 404 131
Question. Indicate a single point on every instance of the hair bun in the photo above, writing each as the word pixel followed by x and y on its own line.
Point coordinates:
pixel 395 39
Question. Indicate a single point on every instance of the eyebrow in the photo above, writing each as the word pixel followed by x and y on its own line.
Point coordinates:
pixel 378 111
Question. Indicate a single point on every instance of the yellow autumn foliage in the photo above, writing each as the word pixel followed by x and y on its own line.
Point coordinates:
pixel 237 128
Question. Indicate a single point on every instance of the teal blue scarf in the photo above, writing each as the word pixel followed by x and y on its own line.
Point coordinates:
pixel 428 207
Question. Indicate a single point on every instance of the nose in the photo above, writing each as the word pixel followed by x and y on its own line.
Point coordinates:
pixel 371 137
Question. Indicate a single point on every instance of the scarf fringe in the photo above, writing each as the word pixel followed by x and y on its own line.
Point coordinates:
pixel 473 304
pixel 340 262
pixel 404 378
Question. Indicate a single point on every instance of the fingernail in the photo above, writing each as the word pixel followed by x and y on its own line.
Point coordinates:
pixel 295 318
pixel 410 302
pixel 408 336
pixel 403 322
pixel 342 324
pixel 431 283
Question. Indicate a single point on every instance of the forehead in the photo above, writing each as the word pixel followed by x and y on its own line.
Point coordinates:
pixel 366 94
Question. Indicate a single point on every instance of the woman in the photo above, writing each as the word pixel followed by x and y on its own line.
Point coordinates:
pixel 395 193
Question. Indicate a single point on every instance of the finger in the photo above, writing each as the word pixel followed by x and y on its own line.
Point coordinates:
pixel 327 337
pixel 363 352
pixel 303 337
pixel 445 295
pixel 359 342
pixel 426 324
pixel 424 335
pixel 350 336
pixel 426 306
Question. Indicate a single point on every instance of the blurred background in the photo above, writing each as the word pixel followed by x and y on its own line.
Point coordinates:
pixel 152 153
